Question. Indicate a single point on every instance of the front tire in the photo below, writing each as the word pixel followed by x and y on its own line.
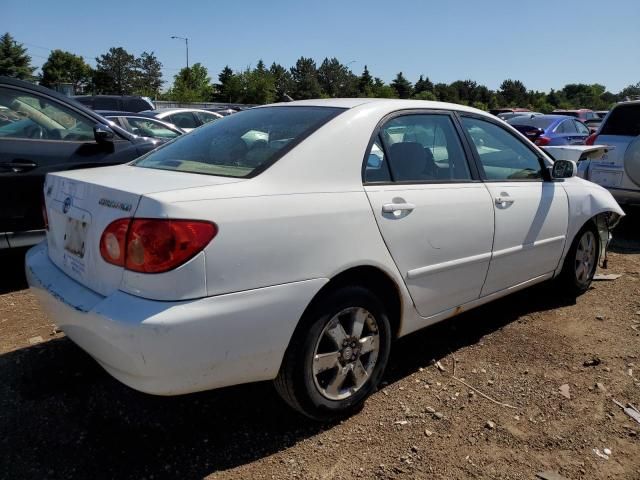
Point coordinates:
pixel 581 262
pixel 337 355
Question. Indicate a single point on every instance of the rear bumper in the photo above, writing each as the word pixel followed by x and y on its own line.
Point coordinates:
pixel 169 348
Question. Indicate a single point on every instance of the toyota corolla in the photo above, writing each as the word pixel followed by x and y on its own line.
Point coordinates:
pixel 296 242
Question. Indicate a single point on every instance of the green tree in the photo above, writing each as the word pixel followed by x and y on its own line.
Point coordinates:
pixel 422 85
pixel 445 93
pixel 630 91
pixel 65 67
pixel 365 83
pixel 402 86
pixel 192 84
pixel 305 79
pixel 258 86
pixel 382 90
pixel 336 80
pixel 14 61
pixel 115 72
pixel 148 80
pixel 282 81
pixel 513 92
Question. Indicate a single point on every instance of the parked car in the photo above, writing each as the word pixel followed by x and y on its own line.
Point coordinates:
pixel 551 129
pixel 498 111
pixel 185 118
pixel 582 114
pixel 510 115
pixel 122 103
pixel 41 132
pixel 619 169
pixel 296 241
pixel 602 113
pixel 593 124
pixel 142 126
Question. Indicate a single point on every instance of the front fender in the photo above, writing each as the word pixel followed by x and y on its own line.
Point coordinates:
pixel 588 201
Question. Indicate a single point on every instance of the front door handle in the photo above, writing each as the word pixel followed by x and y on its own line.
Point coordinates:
pixel 397 207
pixel 19 165
pixel 502 202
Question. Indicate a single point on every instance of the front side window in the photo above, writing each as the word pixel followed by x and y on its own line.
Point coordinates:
pixel 240 145
pixel 145 127
pixel 424 148
pixel 24 115
pixel 502 155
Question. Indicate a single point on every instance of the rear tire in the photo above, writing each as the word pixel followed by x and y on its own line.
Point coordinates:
pixel 581 262
pixel 337 355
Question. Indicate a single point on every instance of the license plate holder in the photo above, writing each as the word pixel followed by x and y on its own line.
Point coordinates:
pixel 75 236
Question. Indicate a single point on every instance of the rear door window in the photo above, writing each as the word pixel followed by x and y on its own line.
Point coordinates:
pixel 205 117
pixel 424 148
pixel 184 120
pixel 623 120
pixel 581 128
pixel 567 126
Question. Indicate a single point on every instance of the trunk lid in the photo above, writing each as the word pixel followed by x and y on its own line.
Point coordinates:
pixel 81 204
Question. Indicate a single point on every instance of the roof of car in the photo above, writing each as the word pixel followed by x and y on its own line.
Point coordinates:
pixel 172 110
pixel 390 104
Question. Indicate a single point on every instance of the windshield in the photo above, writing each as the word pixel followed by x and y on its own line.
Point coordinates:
pixel 240 145
pixel 538 122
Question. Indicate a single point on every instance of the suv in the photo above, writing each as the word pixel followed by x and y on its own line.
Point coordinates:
pixel 42 131
pixel 619 169
pixel 121 103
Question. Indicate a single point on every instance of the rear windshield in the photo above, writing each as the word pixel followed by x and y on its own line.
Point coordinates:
pixel 623 120
pixel 567 113
pixel 538 122
pixel 242 144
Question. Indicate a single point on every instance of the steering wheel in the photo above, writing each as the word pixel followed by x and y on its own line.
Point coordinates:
pixel 36 132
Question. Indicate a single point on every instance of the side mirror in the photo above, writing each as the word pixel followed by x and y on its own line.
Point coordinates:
pixel 564 169
pixel 103 133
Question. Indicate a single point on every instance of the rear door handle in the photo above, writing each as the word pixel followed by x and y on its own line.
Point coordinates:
pixel 19 166
pixel 397 207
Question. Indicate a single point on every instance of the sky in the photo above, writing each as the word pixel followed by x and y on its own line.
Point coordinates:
pixel 545 44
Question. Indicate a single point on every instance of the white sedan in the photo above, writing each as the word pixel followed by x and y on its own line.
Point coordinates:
pixel 295 242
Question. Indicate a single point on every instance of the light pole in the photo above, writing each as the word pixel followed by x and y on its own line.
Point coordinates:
pixel 186 42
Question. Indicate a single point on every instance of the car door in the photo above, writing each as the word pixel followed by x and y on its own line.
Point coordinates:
pixel 531 210
pixel 436 218
pixel 44 136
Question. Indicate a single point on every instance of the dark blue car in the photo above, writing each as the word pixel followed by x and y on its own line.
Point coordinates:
pixel 551 129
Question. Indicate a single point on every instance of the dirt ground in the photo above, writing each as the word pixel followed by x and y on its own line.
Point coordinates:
pixel 62 416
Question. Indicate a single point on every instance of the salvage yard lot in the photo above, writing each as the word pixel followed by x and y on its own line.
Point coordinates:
pixel 61 416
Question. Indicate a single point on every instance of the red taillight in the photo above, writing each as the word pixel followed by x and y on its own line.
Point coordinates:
pixel 591 139
pixel 150 245
pixel 541 141
pixel 113 242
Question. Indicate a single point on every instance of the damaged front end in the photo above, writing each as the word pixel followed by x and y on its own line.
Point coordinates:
pixel 606 222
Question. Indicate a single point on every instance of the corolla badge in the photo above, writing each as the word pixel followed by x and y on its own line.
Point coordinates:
pixel 66 205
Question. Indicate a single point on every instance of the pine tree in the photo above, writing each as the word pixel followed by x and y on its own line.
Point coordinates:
pixel 402 86
pixel 14 61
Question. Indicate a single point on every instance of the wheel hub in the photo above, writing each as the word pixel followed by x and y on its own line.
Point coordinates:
pixel 349 352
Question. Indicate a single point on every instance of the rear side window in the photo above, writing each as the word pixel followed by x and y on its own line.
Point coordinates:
pixel 183 120
pixel 240 145
pixel 623 120
pixel 136 105
pixel 566 127
pixel 205 117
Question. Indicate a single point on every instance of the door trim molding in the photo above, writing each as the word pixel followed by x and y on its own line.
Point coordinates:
pixel 511 250
pixel 438 267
